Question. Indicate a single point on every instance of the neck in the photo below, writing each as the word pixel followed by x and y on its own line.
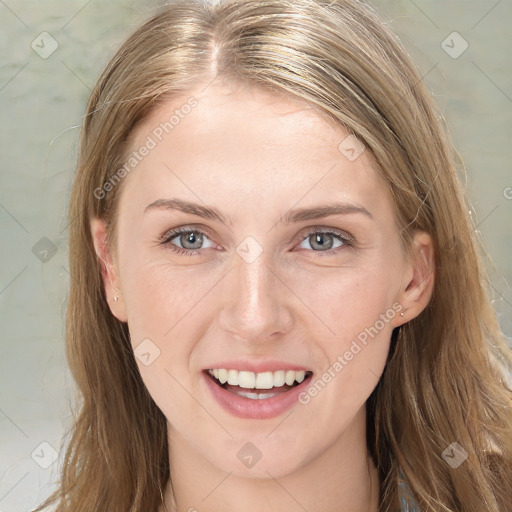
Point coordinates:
pixel 343 478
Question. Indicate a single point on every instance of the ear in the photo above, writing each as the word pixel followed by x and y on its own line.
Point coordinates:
pixel 418 286
pixel 109 272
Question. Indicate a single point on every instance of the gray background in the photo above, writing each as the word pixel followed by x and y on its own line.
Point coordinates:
pixel 42 100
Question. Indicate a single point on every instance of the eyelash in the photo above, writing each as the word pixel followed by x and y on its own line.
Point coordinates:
pixel 347 240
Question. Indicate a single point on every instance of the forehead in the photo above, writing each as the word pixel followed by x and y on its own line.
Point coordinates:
pixel 256 143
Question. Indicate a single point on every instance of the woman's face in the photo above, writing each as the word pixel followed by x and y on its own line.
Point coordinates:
pixel 291 262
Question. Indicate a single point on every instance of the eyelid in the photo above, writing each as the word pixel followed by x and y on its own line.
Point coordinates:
pixel 311 230
pixel 173 232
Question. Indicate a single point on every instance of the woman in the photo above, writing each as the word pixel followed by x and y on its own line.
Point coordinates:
pixel 276 300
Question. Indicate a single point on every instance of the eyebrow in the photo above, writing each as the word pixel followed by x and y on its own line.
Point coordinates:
pixel 297 215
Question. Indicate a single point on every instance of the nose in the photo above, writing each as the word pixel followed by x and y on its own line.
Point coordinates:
pixel 256 304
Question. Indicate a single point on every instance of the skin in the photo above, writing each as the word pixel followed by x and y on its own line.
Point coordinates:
pixel 254 155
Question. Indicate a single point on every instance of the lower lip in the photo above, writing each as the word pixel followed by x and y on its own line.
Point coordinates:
pixel 258 409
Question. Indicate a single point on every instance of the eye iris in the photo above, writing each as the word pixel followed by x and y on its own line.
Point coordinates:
pixel 191 238
pixel 318 238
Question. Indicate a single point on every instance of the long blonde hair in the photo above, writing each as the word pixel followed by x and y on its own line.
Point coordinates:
pixel 444 379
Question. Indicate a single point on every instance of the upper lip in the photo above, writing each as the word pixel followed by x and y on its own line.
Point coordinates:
pixel 257 366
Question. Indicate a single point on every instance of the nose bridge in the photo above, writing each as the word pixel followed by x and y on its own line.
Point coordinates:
pixel 255 303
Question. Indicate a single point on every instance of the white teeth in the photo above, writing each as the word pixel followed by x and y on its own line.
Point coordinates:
pixel 233 377
pixel 279 378
pixel 246 380
pixel 256 396
pixel 300 376
pixel 289 377
pixel 263 380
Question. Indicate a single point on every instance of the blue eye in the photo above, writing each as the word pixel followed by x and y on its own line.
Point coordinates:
pixel 187 237
pixel 191 241
pixel 325 240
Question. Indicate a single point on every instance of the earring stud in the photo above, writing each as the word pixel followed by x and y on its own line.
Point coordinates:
pixel 401 314
pixel 116 298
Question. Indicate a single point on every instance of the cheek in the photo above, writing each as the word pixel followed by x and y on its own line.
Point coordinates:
pixel 353 310
pixel 168 311
pixel 346 300
pixel 160 297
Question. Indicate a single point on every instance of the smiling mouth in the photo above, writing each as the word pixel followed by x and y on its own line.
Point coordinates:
pixel 257 386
